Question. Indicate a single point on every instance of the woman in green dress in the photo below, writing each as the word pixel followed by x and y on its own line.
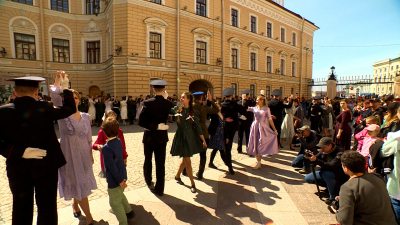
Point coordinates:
pixel 189 139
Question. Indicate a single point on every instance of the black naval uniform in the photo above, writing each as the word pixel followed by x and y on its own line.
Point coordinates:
pixel 276 106
pixel 315 116
pixel 230 109
pixel 116 106
pixel 154 112
pixel 245 125
pixel 100 107
pixel 131 110
pixel 30 124
pixel 82 105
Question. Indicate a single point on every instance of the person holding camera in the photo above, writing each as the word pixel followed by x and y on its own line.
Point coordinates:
pixel 308 139
pixel 331 174
pixel 363 199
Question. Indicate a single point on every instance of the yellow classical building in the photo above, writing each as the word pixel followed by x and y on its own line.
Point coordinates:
pixel 118 46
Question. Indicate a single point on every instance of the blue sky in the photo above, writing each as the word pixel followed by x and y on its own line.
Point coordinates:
pixel 351 23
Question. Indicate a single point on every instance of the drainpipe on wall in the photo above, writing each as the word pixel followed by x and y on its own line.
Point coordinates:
pixel 178 58
pixel 43 44
pixel 301 61
pixel 222 47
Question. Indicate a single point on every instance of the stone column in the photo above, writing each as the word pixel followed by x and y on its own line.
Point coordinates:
pixel 331 88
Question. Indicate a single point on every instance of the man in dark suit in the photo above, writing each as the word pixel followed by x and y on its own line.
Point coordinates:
pixel 230 110
pixel 99 105
pixel 33 153
pixel 131 109
pixel 276 106
pixel 315 114
pixel 153 118
pixel 244 127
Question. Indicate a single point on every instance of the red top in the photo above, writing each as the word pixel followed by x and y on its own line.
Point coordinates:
pixel 101 140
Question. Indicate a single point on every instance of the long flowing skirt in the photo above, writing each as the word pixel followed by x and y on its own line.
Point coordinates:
pixel 262 141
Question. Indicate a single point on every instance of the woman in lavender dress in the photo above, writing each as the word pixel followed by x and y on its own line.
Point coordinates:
pixel 76 179
pixel 263 141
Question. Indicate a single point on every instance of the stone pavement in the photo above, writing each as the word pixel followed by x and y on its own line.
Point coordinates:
pixel 276 193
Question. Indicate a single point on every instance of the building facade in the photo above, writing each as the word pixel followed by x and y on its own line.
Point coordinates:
pixel 118 47
pixel 385 75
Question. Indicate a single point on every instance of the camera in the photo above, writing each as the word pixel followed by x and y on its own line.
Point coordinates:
pixel 307 153
pixel 334 206
pixel 298 131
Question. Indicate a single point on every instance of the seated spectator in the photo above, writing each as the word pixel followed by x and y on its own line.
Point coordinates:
pixel 363 199
pixel 372 135
pixel 308 139
pixel 362 134
pixel 390 152
pixel 392 122
pixel 331 174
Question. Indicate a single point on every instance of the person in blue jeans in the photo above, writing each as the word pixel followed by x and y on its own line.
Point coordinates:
pixel 331 174
pixel 308 140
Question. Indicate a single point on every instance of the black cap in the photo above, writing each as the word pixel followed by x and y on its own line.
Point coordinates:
pixel 28 81
pixel 228 92
pixel 247 91
pixel 276 92
pixel 129 96
pixel 159 83
pixel 317 98
pixel 393 105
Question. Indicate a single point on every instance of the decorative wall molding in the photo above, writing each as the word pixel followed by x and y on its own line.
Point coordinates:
pixel 274 15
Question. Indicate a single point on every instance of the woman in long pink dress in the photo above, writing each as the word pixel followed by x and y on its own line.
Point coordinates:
pixel 263 140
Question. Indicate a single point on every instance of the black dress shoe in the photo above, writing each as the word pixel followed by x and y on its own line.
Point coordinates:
pixel 151 186
pixel 280 146
pixel 154 191
pixel 193 189
pixel 211 165
pixel 292 148
pixel 179 181
pixel 231 171
pixel 130 214
pixel 239 151
pixel 77 214
pixel 199 177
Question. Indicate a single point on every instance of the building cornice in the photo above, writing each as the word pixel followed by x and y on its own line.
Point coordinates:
pixel 278 14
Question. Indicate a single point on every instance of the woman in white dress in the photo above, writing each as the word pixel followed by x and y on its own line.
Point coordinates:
pixel 92 110
pixel 139 110
pixel 124 109
pixel 288 126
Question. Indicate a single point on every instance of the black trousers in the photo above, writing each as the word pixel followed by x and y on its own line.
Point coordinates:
pixel 278 127
pixel 99 119
pixel 131 116
pixel 45 190
pixel 214 153
pixel 227 154
pixel 159 155
pixel 315 123
pixel 244 129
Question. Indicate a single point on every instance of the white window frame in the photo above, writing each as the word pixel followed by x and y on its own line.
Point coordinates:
pixel 204 35
pixel 282 88
pixel 162 2
pixel 236 89
pixel 280 34
pixel 269 52
pixel 250 15
pixel 272 28
pixel 294 91
pixel 230 15
pixel 294 44
pixel 270 91
pixel 23 30
pixel 253 48
pixel 293 72
pixel 283 72
pixel 69 6
pixel 237 57
pixel 255 91
pixel 155 25
pixel 207 8
pixel 234 43
pixel 63 36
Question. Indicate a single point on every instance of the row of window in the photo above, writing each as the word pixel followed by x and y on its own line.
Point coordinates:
pixel 397 68
pixel 25 48
pixel 62 5
pixel 254 27
pixel 253 92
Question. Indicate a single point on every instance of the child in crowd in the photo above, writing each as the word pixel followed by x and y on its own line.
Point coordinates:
pixel 373 131
pixel 115 172
pixel 363 134
pixel 101 140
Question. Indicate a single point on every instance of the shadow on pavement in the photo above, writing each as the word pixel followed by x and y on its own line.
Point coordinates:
pixel 142 216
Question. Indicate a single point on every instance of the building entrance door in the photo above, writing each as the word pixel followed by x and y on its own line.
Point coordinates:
pixel 94 90
pixel 201 85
